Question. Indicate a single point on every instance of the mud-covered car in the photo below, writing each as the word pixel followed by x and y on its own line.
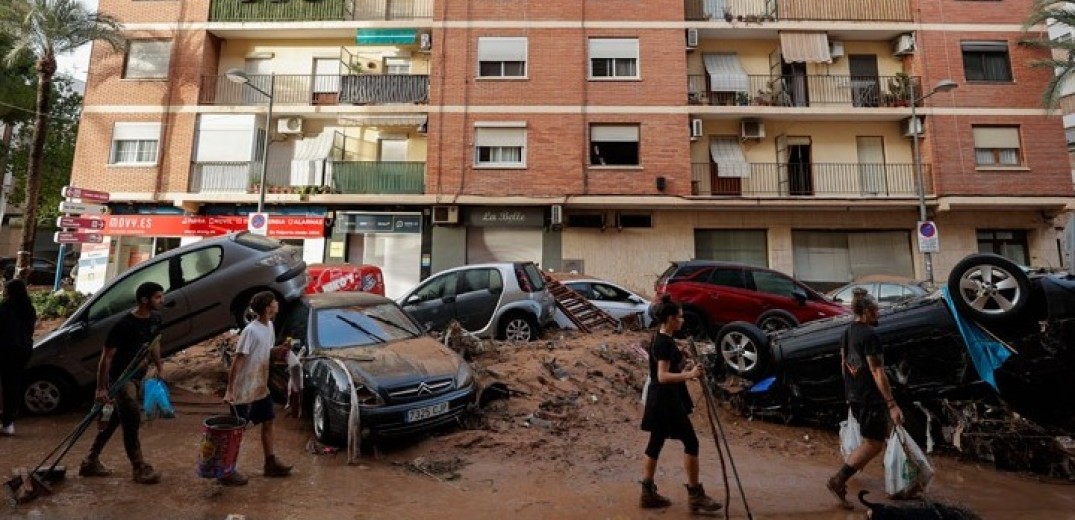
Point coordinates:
pixel 365 345
pixel 1032 315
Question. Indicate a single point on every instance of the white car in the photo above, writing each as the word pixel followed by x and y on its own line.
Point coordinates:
pixel 609 297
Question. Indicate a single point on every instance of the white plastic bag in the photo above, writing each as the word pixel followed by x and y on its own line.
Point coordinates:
pixel 850 436
pixel 907 470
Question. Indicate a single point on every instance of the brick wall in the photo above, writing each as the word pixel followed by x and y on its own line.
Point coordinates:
pixel 971 11
pixel 571 10
pixel 105 84
pixel 157 11
pixel 93 148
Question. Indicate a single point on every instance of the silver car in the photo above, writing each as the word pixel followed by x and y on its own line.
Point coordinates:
pixel 207 287
pixel 506 300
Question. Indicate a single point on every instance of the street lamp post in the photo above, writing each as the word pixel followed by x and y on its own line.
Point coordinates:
pixel 239 76
pixel 943 85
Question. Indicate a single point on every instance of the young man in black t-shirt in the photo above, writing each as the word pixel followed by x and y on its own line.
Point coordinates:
pixel 124 343
pixel 868 392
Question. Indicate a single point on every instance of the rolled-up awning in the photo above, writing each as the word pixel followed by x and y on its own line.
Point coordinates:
pixel 386 36
pixel 725 73
pixel 808 47
pixel 729 158
pixel 383 120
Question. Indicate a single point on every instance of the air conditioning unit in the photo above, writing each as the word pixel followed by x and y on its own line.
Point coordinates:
pixel 425 41
pixel 696 129
pixel 445 214
pixel 911 127
pixel 289 125
pixel 751 129
pixel 556 216
pixel 836 49
pixel 903 45
pixel 423 128
pixel 692 38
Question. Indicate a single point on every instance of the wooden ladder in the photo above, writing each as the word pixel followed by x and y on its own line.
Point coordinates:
pixel 586 316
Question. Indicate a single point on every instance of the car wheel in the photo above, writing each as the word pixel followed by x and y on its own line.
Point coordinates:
pixel 694 326
pixel 989 288
pixel 46 393
pixel 744 348
pixel 773 321
pixel 319 415
pixel 519 327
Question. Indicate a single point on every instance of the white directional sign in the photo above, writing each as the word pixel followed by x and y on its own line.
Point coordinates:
pixel 83 208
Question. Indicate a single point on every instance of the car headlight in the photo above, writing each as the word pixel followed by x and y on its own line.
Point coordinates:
pixel 367 396
pixel 463 376
pixel 275 259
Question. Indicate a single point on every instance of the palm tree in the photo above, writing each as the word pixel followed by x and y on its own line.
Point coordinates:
pixel 1062 61
pixel 43 29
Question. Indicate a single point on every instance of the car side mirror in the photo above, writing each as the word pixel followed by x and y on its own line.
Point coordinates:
pixel 77 330
pixel 837 300
pixel 799 295
pixel 414 298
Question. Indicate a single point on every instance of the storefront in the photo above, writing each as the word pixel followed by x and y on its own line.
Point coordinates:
pixel 505 235
pixel 392 241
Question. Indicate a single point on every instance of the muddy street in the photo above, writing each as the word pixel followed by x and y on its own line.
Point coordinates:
pixel 567 446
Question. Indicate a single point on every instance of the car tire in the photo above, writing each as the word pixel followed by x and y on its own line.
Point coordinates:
pixel 989 288
pixel 518 327
pixel 47 392
pixel 776 320
pixel 695 325
pixel 745 349
pixel 322 418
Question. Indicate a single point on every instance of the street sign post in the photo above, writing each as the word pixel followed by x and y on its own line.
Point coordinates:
pixel 71 192
pixel 80 223
pixel 82 207
pixel 258 223
pixel 75 237
pixel 929 240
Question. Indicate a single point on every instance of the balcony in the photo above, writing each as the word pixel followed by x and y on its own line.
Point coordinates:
pixel 809 180
pixel 318 10
pixel 378 177
pixel 799 10
pixel 308 89
pixel 805 91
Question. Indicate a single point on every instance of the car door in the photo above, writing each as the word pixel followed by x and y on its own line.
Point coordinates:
pixel 729 297
pixel 432 303
pixel 776 292
pixel 477 297
pixel 204 292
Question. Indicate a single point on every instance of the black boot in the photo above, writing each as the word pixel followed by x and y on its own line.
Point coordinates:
pixel 699 502
pixel 650 499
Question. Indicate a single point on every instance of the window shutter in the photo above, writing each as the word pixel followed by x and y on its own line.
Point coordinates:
pixel 996 137
pixel 506 137
pixel 136 132
pixel 613 48
pixel 984 46
pixel 501 49
pixel 614 134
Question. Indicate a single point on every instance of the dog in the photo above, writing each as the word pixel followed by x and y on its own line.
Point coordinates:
pixel 915 510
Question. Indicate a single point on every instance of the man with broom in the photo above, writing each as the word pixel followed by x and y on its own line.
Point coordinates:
pixel 126 343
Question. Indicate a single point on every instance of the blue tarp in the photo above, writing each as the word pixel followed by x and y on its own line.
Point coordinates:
pixel 986 353
pixel 386 36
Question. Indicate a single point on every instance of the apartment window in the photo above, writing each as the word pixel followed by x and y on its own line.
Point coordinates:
pixel 614 145
pixel 1009 243
pixel 135 143
pixel 501 57
pixel 614 58
pixel 500 146
pixel 397 66
pixel 996 146
pixel 986 61
pixel 148 59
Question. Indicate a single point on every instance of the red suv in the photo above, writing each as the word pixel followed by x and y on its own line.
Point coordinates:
pixel 714 294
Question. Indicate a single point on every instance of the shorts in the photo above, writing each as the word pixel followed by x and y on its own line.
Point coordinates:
pixel 873 420
pixel 258 411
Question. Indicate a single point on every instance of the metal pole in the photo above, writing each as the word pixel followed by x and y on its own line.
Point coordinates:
pixel 268 132
pixel 59 267
pixel 920 181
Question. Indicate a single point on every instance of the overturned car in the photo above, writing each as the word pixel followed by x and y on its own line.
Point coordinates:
pixel 996 342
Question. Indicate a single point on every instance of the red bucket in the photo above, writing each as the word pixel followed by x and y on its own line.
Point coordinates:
pixel 223 434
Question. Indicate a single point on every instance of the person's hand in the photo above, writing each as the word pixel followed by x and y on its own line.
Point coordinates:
pixel 229 397
pixel 695 372
pixel 896 415
pixel 101 396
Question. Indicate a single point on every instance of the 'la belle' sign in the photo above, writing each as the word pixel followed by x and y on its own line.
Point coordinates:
pixel 515 217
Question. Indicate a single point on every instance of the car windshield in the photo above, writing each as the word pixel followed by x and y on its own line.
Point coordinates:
pixel 344 327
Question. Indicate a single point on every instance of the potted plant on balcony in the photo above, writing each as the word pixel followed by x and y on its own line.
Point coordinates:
pixel 742 99
pixel 899 89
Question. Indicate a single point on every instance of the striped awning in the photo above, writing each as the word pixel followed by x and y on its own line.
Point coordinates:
pixel 729 158
pixel 383 120
pixel 725 73
pixel 386 36
pixel 807 47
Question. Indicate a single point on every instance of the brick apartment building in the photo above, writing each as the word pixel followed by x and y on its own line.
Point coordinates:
pixel 605 135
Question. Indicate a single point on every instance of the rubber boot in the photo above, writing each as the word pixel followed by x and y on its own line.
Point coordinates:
pixel 838 487
pixel 273 467
pixel 650 499
pixel 699 502
pixel 92 467
pixel 145 474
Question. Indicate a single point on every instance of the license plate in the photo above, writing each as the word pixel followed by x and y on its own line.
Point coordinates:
pixel 425 412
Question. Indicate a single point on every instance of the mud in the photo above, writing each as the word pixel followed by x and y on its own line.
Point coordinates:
pixel 564 445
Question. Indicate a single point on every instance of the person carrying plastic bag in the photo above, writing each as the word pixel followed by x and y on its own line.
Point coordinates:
pixel 155 400
pixel 868 391
pixel 907 470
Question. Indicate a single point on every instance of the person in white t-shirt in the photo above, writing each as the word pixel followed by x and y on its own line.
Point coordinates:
pixel 248 382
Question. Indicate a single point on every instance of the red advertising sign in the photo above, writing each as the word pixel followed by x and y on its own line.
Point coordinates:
pixel 280 226
pixel 69 237
pixel 72 192
pixel 345 277
pixel 81 223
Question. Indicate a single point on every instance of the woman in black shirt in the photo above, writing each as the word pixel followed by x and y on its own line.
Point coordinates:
pixel 667 411
pixel 17 321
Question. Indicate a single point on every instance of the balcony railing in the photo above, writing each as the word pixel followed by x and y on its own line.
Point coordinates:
pixel 765 10
pixel 222 177
pixel 378 177
pixel 308 89
pixel 806 91
pixel 318 10
pixel 821 180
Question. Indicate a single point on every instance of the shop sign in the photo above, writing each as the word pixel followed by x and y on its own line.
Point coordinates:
pixel 506 217
pixel 378 223
pixel 280 226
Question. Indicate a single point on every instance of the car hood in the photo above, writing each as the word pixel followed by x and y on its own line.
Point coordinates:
pixel 422 357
